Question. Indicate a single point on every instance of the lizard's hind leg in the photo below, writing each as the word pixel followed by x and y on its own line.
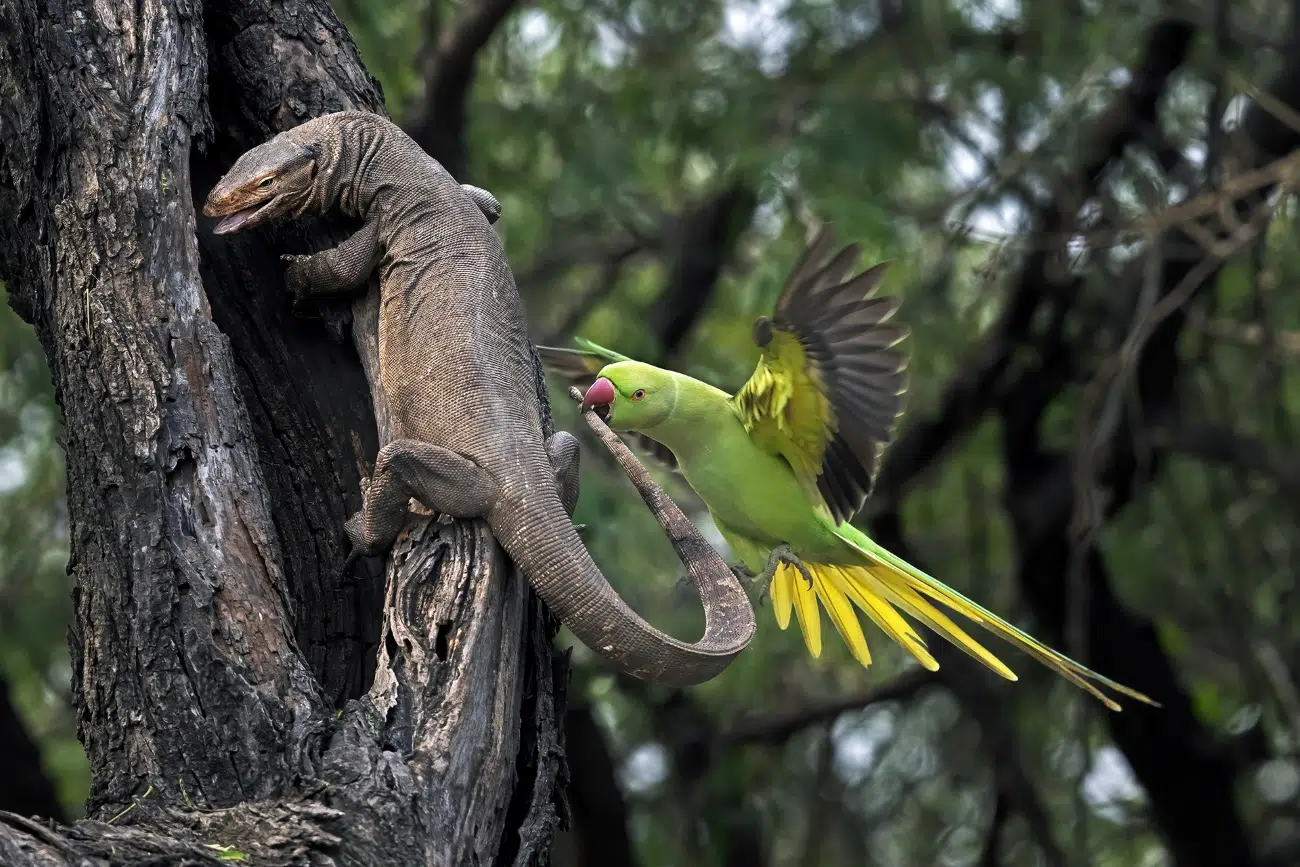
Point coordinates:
pixel 563 450
pixel 442 480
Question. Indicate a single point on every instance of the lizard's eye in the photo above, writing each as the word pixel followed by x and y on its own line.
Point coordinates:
pixel 639 394
pixel 265 183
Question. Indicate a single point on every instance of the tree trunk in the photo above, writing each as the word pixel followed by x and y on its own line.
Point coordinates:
pixel 233 689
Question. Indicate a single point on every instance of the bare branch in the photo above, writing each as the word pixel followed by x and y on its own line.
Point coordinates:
pixel 779 728
pixel 1221 445
pixel 1285 344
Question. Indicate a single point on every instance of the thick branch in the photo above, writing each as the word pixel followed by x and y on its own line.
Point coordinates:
pixel 779 728
pixel 438 118
pixel 1222 445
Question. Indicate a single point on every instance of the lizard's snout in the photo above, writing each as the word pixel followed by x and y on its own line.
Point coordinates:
pixel 601 394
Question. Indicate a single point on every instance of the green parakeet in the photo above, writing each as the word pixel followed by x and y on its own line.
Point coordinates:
pixel 785 463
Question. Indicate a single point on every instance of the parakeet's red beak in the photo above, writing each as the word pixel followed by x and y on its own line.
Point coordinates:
pixel 600 395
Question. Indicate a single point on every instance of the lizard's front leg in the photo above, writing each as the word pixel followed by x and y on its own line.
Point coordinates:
pixel 442 480
pixel 340 270
pixel 562 448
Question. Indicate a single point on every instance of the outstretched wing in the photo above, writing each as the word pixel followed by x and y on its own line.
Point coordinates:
pixel 579 367
pixel 828 388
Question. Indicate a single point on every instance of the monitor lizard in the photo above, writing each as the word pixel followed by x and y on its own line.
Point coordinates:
pixel 457 369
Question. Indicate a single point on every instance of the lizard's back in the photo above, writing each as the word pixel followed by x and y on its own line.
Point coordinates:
pixel 453 343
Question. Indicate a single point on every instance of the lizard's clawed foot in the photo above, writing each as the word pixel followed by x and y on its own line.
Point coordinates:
pixel 296 280
pixel 743 575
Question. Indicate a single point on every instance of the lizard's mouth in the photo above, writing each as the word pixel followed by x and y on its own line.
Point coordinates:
pixel 241 219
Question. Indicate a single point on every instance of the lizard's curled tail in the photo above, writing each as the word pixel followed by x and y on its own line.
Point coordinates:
pixel 562 572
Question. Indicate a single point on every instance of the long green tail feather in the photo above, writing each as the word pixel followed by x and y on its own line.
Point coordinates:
pixel 918 581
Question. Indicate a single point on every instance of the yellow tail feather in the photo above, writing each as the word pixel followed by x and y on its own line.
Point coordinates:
pixel 882 587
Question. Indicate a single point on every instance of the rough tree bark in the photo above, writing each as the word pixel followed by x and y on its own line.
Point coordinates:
pixel 224 673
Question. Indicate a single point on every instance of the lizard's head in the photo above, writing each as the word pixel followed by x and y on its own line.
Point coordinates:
pixel 269 181
pixel 630 395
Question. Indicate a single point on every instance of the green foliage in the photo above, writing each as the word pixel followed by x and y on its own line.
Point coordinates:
pixel 35 601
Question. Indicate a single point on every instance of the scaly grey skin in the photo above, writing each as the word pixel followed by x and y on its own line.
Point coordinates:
pixel 456 366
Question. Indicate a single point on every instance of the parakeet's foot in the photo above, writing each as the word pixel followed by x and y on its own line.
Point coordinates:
pixel 782 554
pixel 683 587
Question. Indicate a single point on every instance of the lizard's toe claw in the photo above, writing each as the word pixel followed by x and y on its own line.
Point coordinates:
pixel 350 563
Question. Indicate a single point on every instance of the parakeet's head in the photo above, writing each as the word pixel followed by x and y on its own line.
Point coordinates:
pixel 632 396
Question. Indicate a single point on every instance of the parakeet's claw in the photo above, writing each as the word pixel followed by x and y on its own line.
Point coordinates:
pixel 743 575
pixel 782 554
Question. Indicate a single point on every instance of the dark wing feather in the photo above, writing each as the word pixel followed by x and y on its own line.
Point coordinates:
pixel 843 329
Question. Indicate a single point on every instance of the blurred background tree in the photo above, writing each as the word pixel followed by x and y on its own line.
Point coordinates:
pixel 1092 405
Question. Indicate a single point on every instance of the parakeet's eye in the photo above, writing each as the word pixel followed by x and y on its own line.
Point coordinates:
pixel 265 183
pixel 639 394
